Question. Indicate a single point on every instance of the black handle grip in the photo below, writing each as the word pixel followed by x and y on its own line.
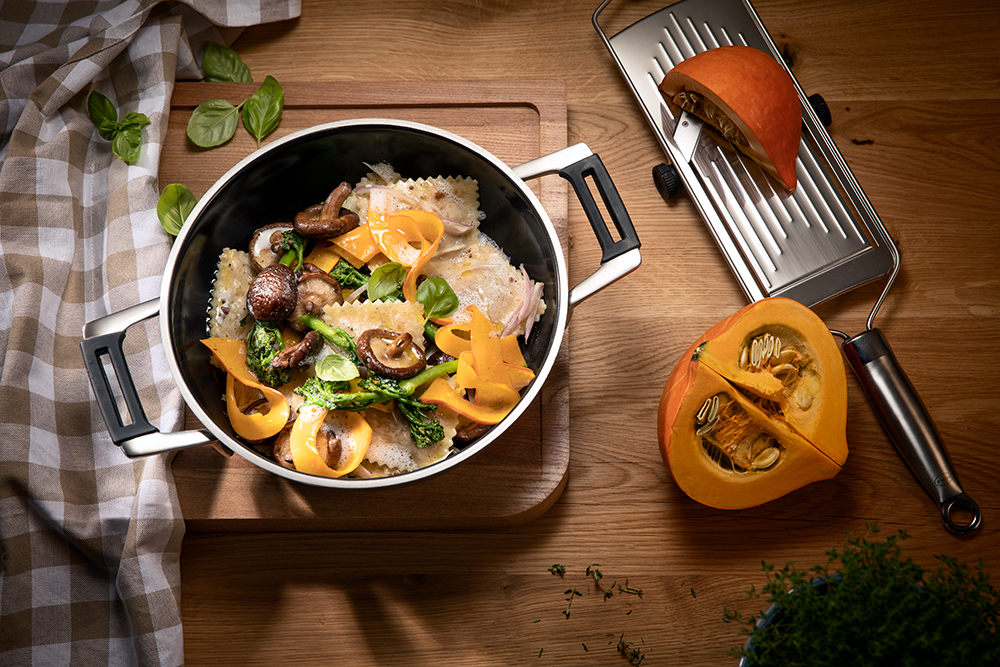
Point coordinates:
pixel 110 345
pixel 592 167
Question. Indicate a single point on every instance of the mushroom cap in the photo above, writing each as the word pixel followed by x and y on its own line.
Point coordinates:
pixel 756 93
pixel 391 354
pixel 272 294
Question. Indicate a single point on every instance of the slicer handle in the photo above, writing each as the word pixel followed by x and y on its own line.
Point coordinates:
pixel 908 424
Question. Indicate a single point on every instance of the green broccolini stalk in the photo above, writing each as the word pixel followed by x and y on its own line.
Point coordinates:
pixel 264 342
pixel 336 337
pixel 334 395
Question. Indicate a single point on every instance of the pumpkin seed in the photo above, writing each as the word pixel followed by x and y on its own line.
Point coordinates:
pixel 707 427
pixel 702 415
pixel 744 356
pixel 713 411
pixel 766 458
pixel 755 353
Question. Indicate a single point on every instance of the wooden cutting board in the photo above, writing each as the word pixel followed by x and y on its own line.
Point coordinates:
pixel 522 473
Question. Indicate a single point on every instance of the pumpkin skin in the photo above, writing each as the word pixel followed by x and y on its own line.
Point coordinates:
pixel 754 93
pixel 799 412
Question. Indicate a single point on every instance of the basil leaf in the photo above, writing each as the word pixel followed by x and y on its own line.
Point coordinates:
pixel 336 367
pixel 386 281
pixel 213 123
pixel 134 118
pixel 174 206
pixel 127 142
pixel 221 63
pixel 437 297
pixel 262 112
pixel 103 114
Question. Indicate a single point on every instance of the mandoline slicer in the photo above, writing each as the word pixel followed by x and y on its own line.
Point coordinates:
pixel 810 245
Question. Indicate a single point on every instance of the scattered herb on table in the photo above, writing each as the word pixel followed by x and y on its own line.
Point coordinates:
pixel 125 135
pixel 592 571
pixel 222 64
pixel 693 594
pixel 558 569
pixel 629 589
pixel 214 122
pixel 635 657
pixel 174 206
pixel 875 608
pixel 571 592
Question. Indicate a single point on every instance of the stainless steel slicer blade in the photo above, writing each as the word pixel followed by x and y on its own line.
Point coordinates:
pixel 810 245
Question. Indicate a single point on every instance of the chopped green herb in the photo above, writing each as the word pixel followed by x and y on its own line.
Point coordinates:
pixel 635 657
pixel 558 569
pixel 571 592
pixel 693 594
pixel 592 571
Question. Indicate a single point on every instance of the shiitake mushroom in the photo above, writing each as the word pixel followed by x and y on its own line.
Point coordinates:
pixel 272 294
pixel 391 354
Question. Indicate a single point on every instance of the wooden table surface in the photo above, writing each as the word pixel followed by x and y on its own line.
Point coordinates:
pixel 914 88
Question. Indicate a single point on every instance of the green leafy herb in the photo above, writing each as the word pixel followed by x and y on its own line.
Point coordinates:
pixel 592 571
pixel 336 367
pixel 629 589
pixel 875 608
pixel 437 298
pixel 635 657
pixel 125 135
pixel 213 123
pixel 174 206
pixel 558 569
pixel 386 281
pixel 571 592
pixel 103 114
pixel 262 112
pixel 221 63
pixel 693 594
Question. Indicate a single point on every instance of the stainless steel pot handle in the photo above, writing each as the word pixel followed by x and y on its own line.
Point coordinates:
pixel 908 424
pixel 102 339
pixel 619 258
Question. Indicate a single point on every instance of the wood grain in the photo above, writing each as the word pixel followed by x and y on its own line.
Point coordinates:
pixel 522 473
pixel 915 92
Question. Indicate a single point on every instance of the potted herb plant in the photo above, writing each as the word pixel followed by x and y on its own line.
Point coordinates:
pixel 871 605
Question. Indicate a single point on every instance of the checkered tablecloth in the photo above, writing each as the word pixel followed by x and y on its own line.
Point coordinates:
pixel 89 540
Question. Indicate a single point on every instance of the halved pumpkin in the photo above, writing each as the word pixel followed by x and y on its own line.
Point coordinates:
pixel 756 408
pixel 749 98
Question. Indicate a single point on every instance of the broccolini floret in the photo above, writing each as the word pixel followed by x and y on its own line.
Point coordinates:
pixel 348 277
pixel 293 248
pixel 334 395
pixel 264 342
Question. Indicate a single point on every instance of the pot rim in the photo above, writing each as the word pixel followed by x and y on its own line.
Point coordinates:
pixel 561 300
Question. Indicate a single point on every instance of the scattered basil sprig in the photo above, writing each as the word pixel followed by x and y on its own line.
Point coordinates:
pixel 262 112
pixel 222 64
pixel 125 135
pixel 214 122
pixel 336 367
pixel 386 281
pixel 174 206
pixel 437 298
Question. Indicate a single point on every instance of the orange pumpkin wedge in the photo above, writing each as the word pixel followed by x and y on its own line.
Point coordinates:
pixel 756 408
pixel 749 98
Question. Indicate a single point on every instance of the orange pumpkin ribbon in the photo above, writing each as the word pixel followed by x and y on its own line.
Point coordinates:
pixel 232 355
pixel 486 365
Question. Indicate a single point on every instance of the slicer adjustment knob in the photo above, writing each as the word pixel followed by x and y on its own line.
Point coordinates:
pixel 821 108
pixel 668 182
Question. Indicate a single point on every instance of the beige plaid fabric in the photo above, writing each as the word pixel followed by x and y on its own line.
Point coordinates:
pixel 89 540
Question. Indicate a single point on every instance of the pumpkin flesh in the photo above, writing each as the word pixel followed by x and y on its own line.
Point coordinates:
pixel 756 408
pixel 747 96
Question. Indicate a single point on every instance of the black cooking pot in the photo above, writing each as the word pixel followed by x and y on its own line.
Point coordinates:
pixel 297 171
